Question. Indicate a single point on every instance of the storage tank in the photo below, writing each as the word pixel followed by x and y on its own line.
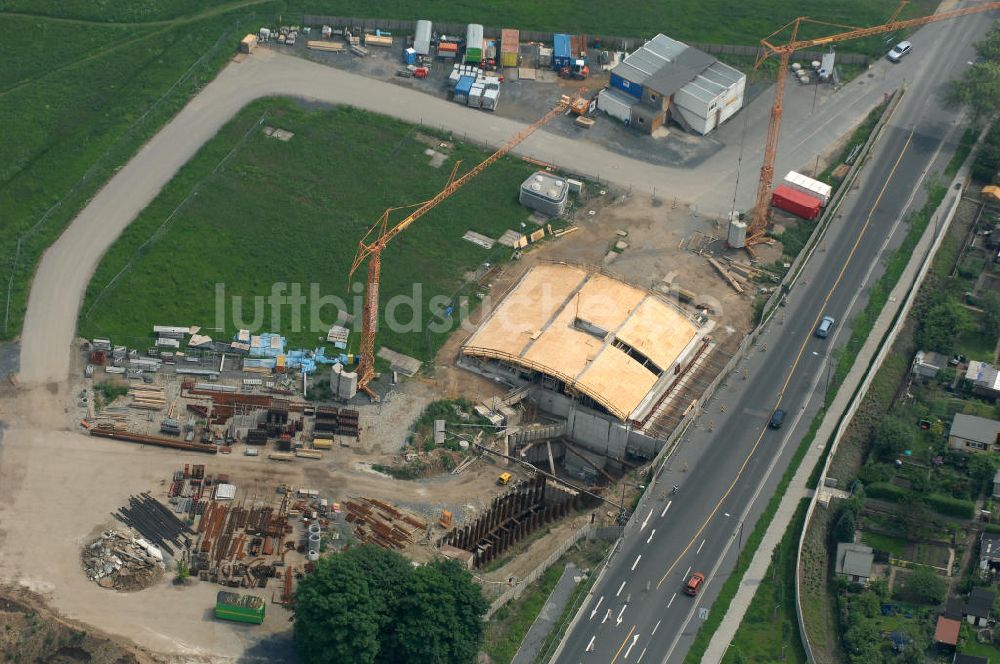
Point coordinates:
pixel 545 193
pixel 474 43
pixel 737 235
pixel 348 385
pixel 422 38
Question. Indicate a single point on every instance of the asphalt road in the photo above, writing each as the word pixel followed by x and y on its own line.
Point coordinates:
pixel 729 464
pixel 66 267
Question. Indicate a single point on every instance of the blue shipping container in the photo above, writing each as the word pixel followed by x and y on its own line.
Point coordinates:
pixel 626 86
pixel 464 85
pixel 562 54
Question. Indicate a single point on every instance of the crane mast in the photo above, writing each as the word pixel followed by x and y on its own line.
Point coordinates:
pixel 762 206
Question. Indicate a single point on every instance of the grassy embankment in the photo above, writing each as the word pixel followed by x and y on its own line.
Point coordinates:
pixel 82 87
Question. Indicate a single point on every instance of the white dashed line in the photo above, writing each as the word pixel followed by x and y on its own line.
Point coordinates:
pixel 620 588
pixel 664 512
pixel 699 547
pixel 653 532
pixel 636 562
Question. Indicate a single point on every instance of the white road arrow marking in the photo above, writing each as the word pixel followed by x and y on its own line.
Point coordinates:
pixel 606 616
pixel 619 618
pixel 651 533
pixel 643 526
pixel 620 588
pixel 631 645
pixel 636 562
pixel 596 606
pixel 664 512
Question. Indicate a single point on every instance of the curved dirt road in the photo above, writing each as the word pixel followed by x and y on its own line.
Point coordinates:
pixel 65 269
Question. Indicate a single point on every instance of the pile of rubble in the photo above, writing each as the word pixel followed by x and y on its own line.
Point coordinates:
pixel 118 560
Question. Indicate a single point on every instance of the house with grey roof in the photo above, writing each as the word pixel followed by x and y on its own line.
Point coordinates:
pixel 927 364
pixel 984 379
pixel 854 562
pixel 970 433
pixel 665 77
pixel 989 554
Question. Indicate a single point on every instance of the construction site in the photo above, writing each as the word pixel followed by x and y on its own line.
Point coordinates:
pixel 233 460
pixel 539 420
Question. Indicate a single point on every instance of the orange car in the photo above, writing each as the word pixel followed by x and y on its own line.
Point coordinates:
pixel 694 583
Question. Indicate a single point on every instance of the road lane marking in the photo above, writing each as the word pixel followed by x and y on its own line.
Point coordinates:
pixel 640 655
pixel 635 639
pixel 636 562
pixel 596 607
pixel 651 533
pixel 620 588
pixel 643 526
pixel 687 573
pixel 846 263
pixel 659 621
pixel 664 512
pixel 669 603
pixel 699 547
pixel 622 646
pixel 590 646
pixel 620 614
pixel 606 616
pixel 795 363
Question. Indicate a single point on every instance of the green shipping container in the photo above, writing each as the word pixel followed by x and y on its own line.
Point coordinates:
pixel 241 608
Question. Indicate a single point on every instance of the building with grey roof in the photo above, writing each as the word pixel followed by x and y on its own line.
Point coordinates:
pixel 667 77
pixel 854 562
pixel 984 378
pixel 970 433
pixel 927 364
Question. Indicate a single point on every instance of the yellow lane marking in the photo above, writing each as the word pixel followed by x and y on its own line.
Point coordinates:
pixel 791 371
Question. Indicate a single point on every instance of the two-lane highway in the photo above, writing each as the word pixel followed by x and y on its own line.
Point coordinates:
pixel 728 466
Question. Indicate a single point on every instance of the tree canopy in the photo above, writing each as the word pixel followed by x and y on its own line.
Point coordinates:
pixel 979 88
pixel 942 325
pixel 369 605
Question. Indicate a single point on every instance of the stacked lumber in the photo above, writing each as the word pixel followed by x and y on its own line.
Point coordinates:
pixel 147 397
pixel 332 47
pixel 112 422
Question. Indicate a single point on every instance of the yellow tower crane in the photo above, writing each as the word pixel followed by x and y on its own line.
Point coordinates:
pixel 762 207
pixel 381 233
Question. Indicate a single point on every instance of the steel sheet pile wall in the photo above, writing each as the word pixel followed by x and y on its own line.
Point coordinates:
pixel 512 517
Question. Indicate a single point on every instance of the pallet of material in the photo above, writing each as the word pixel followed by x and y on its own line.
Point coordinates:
pixel 308 454
pixel 359 50
pixel 584 122
pixel 332 47
pixel 378 40
pixel 280 456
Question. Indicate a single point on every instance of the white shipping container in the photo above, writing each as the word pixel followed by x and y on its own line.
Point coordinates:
pixel 618 106
pixel 808 185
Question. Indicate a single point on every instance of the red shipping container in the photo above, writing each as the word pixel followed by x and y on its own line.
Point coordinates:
pixel 796 202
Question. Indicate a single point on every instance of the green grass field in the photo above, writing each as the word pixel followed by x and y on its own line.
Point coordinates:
pixel 769 631
pixel 294 212
pixel 83 85
pixel 723 22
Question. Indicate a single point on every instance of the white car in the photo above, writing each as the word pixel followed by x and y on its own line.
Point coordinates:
pixel 899 50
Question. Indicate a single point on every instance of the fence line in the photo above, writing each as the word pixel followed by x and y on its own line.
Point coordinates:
pixel 606 42
pixel 518 589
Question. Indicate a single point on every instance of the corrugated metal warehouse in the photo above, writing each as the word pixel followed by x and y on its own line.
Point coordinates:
pixel 667 76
